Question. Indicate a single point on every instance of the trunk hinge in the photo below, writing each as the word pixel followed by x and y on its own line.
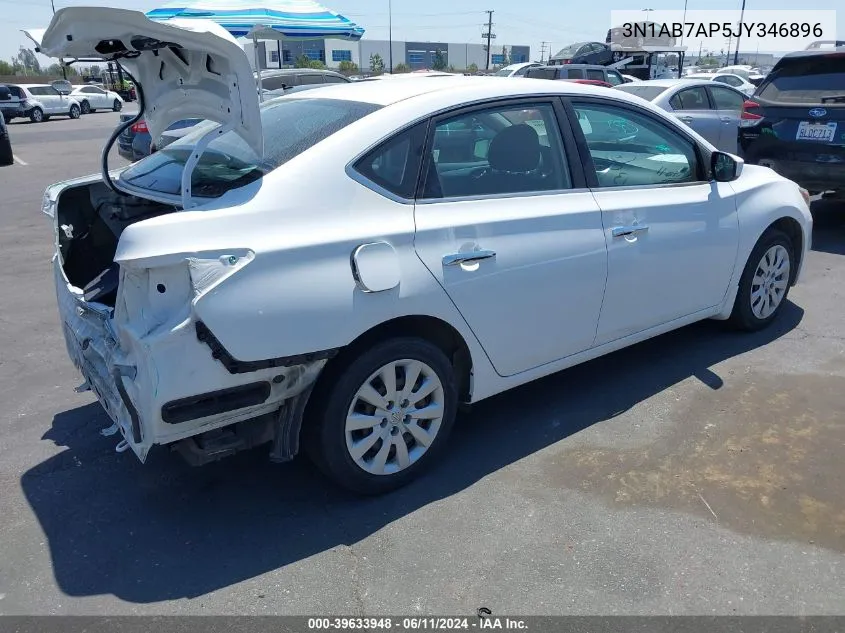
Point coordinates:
pixel 194 158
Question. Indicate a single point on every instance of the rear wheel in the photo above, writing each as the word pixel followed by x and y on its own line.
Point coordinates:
pixel 86 107
pixel 117 106
pixel 765 282
pixel 36 115
pixel 381 420
pixel 74 111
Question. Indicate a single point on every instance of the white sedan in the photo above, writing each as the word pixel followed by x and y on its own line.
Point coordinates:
pixel 93 98
pixel 338 269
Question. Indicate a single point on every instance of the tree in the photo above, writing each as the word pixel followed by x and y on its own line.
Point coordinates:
pixel 473 68
pixel 505 57
pixel 401 68
pixel 452 68
pixel 376 64
pixel 347 66
pixel 6 68
pixel 316 63
pixel 28 61
pixel 440 62
pixel 302 62
pixel 56 70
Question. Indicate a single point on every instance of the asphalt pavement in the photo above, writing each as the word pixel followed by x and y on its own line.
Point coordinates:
pixel 697 473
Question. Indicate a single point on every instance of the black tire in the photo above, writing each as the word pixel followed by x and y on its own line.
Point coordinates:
pixel 6 155
pixel 743 316
pixel 324 431
pixel 74 112
pixel 117 106
pixel 86 107
pixel 36 115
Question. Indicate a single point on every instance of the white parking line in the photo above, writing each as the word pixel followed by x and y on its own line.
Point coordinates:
pixel 21 162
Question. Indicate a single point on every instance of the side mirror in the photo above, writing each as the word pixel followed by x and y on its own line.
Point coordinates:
pixel 725 167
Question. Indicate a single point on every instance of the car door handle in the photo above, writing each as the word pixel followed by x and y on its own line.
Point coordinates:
pixel 727 119
pixel 468 257
pixel 685 119
pixel 621 231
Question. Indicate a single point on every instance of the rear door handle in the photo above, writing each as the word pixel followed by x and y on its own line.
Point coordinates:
pixel 685 119
pixel 468 257
pixel 621 231
pixel 727 119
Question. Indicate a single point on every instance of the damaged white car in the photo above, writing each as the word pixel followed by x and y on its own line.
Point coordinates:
pixel 338 269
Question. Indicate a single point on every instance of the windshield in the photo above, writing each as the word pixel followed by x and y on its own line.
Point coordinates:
pixel 805 80
pixel 504 72
pixel 649 93
pixel 289 126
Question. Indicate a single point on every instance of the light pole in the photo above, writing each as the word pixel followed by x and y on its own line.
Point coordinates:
pixel 390 34
pixel 61 61
pixel 741 16
pixel 684 21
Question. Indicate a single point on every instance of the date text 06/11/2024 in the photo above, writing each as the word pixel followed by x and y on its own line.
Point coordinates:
pixel 417 623
pixel 722 29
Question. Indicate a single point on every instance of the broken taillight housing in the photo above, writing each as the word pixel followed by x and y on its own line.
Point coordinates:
pixel 749 118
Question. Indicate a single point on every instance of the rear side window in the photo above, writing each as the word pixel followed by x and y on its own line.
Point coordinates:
pixel 307 80
pixel 395 164
pixel 572 73
pixel 595 74
pixel 277 83
pixel 690 99
pixel 806 81
pixel 334 79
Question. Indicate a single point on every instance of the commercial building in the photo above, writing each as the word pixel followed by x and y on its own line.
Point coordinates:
pixel 416 55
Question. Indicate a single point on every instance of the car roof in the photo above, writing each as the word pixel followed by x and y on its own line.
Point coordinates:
pixel 276 72
pixel 462 89
pixel 817 52
pixel 581 66
pixel 31 85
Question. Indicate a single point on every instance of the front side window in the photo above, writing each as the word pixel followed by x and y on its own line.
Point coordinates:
pixel 632 149
pixel 614 78
pixel 276 83
pixel 289 126
pixel 307 80
pixel 726 99
pixel 728 79
pixel 690 99
pixel 508 149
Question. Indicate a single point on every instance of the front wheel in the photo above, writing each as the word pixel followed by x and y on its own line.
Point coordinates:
pixel 86 107
pixel 74 111
pixel 117 106
pixel 383 419
pixel 36 115
pixel 765 282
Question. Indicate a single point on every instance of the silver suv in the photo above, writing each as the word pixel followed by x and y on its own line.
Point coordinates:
pixel 41 101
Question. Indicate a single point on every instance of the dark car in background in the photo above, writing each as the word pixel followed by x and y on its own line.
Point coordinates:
pixel 795 122
pixel 134 142
pixel 584 53
pixel 11 102
pixel 6 155
pixel 577 72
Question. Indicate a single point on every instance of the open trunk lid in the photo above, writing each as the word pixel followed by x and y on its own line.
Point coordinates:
pixel 187 69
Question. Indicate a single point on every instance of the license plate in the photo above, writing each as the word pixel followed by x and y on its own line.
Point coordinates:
pixel 824 132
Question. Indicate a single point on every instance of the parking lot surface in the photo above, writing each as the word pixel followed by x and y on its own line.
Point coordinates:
pixel 697 473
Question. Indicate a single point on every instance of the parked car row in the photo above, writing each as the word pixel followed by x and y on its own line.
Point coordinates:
pixel 40 102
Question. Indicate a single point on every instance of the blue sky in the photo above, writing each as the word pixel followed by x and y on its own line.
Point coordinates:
pixel 529 22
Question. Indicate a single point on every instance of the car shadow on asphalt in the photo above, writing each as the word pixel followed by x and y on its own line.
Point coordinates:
pixel 164 530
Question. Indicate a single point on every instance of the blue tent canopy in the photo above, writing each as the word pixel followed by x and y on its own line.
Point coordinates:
pixel 265 19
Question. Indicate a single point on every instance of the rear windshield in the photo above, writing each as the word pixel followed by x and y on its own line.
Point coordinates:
pixel 649 93
pixel 806 81
pixel 290 127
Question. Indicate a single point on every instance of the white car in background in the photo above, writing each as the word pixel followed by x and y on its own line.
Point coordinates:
pixel 342 284
pixel 41 101
pixel 729 79
pixel 515 70
pixel 92 98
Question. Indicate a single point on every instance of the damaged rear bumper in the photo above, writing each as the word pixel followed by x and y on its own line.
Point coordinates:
pixel 167 384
